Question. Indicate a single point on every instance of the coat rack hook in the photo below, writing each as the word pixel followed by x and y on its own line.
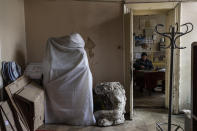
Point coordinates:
pixel 173 35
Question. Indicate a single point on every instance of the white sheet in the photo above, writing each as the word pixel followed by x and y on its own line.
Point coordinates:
pixel 68 82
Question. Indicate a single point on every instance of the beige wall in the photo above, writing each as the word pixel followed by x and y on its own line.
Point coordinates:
pixel 100 24
pixel 12 31
pixel 188 14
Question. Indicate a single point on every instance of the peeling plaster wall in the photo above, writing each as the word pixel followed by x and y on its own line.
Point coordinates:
pixel 12 31
pixel 188 14
pixel 100 24
pixel 173 17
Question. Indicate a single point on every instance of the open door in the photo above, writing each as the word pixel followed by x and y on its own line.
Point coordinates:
pixel 128 57
pixel 173 11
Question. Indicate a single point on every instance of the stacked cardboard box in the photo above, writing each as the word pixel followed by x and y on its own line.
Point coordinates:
pixel 26 100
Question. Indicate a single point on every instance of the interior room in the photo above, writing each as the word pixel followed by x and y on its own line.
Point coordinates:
pixel 151 84
pixel 72 65
pixel 146 40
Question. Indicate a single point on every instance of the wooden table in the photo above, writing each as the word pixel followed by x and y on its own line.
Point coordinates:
pixel 148 78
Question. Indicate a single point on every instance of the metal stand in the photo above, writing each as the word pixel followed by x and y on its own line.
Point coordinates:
pixel 173 35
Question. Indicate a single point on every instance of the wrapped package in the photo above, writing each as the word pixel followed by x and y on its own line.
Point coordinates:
pixel 68 82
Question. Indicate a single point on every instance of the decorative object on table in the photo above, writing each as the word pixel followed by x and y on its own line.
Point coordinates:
pixel 173 35
pixel 110 96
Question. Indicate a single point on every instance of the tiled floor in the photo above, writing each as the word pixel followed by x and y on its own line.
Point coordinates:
pixel 144 120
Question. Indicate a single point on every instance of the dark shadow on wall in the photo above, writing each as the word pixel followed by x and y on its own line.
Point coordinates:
pixel 20 58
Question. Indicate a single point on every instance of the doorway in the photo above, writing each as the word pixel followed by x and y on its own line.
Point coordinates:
pixel 149 81
pixel 139 22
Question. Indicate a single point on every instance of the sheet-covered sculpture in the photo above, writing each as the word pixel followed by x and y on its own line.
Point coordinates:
pixel 68 82
pixel 112 101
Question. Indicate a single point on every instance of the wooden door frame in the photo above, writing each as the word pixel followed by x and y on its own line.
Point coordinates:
pixel 128 75
pixel 129 91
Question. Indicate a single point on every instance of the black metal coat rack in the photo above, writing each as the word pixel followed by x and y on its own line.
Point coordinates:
pixel 173 35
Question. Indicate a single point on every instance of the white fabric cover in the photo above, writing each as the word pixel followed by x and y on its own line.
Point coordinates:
pixel 68 82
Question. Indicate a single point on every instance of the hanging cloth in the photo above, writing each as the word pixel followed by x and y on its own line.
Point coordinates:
pixel 68 82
